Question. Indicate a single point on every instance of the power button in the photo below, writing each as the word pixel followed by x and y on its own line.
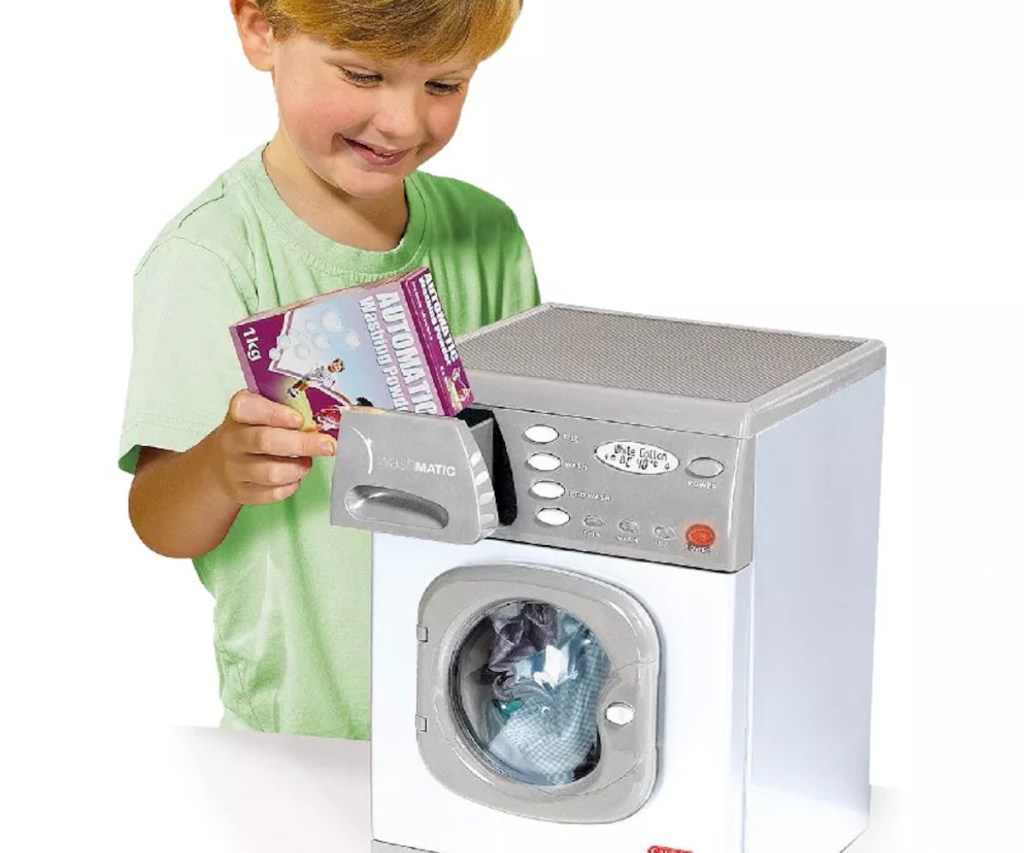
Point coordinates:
pixel 704 467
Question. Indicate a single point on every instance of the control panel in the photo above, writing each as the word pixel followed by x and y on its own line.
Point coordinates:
pixel 642 492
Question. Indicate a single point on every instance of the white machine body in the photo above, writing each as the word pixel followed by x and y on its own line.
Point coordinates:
pixel 736 715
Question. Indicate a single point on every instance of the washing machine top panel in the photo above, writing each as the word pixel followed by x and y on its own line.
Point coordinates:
pixel 699 377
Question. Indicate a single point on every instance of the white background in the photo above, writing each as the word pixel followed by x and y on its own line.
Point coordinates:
pixel 848 168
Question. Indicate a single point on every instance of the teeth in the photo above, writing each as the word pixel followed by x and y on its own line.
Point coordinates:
pixel 377 151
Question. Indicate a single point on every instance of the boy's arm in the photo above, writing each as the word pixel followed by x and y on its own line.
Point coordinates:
pixel 175 505
pixel 219 448
pixel 183 504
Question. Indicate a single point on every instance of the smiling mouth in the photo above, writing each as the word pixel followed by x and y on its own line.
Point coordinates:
pixel 380 152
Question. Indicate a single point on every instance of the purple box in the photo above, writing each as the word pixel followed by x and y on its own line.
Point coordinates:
pixel 385 344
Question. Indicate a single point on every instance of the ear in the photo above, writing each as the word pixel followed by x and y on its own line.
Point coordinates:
pixel 256 34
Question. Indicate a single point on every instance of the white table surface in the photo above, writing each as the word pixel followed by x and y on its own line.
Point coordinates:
pixel 242 792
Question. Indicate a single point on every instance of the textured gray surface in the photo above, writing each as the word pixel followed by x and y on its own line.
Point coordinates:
pixel 698 360
pixel 672 374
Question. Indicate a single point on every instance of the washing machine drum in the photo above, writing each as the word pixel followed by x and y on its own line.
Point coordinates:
pixel 528 680
pixel 537 692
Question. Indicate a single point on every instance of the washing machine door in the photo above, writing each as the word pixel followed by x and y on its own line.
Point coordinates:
pixel 537 692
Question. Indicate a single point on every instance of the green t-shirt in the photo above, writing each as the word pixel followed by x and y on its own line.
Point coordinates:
pixel 292 592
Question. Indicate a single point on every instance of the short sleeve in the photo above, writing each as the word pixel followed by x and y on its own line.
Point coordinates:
pixel 184 367
pixel 519 290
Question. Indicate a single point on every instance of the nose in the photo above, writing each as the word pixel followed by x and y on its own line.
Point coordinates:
pixel 397 116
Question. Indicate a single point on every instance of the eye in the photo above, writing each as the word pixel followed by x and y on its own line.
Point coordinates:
pixel 444 88
pixel 360 79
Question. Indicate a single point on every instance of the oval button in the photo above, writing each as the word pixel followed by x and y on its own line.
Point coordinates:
pixel 705 466
pixel 544 462
pixel 547 489
pixel 552 516
pixel 619 713
pixel 541 434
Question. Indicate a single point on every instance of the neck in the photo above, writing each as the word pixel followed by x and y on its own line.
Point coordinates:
pixel 375 225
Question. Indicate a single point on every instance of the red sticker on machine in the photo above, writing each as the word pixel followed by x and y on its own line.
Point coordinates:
pixel 658 849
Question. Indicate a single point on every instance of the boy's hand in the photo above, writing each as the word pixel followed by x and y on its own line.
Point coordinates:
pixel 260 454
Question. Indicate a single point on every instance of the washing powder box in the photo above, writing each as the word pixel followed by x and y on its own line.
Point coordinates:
pixel 385 344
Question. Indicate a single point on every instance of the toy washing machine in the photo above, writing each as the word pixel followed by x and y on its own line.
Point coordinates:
pixel 625 602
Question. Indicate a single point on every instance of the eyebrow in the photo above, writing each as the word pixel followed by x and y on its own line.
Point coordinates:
pixel 463 70
pixel 333 56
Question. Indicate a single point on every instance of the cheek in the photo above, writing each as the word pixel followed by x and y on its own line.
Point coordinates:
pixel 314 111
pixel 443 118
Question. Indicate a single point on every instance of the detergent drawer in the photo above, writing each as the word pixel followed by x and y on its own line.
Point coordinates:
pixel 424 476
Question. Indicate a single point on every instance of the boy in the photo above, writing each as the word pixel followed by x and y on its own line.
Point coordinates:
pixel 322 376
pixel 367 91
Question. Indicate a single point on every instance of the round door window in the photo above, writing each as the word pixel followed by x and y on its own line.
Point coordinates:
pixel 526 684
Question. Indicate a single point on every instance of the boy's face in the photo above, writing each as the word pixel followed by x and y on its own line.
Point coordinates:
pixel 361 125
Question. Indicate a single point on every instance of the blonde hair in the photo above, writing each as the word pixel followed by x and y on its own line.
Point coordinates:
pixel 429 30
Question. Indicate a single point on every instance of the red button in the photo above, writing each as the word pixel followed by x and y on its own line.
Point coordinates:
pixel 700 536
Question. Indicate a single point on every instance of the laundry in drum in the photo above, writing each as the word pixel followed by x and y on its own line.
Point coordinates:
pixel 545 674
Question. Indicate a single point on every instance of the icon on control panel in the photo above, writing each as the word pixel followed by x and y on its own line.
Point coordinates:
pixel 593 521
pixel 628 526
pixel 664 532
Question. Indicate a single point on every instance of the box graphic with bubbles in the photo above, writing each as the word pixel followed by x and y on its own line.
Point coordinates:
pixel 385 344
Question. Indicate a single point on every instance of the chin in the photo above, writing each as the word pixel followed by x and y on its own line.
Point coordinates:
pixel 367 184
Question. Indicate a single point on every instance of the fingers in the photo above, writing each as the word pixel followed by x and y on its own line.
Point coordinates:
pixel 259 479
pixel 262 451
pixel 277 428
pixel 255 409
pixel 253 495
pixel 273 441
pixel 271 472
